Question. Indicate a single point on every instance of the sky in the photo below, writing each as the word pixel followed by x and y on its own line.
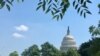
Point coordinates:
pixel 23 26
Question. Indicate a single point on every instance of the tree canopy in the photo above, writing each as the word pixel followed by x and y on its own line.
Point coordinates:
pixel 31 51
pixel 49 50
pixel 13 53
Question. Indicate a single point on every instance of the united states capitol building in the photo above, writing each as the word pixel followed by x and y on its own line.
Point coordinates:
pixel 68 42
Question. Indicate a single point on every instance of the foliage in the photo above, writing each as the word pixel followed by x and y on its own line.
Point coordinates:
pixel 94 31
pixel 63 54
pixel 32 51
pixel 81 7
pixel 98 53
pixel 46 50
pixel 49 50
pixel 72 52
pixel 95 47
pixel 13 53
pixel 90 48
pixel 7 3
pixel 83 49
pixel 56 7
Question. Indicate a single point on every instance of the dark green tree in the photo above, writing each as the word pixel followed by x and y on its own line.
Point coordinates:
pixel 98 53
pixel 14 54
pixel 95 32
pixel 90 48
pixel 84 48
pixel 49 50
pixel 32 51
pixel 94 49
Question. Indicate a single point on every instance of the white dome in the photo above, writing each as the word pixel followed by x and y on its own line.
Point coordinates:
pixel 69 36
pixel 68 42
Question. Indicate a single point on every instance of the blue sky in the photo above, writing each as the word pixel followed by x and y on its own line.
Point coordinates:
pixel 23 26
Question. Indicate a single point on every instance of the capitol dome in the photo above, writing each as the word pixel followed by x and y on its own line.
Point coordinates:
pixel 68 42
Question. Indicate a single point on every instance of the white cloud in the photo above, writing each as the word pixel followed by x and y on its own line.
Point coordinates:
pixel 22 28
pixel 17 35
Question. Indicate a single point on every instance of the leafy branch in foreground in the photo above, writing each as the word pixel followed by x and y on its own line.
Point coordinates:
pixel 7 3
pixel 81 7
pixel 55 7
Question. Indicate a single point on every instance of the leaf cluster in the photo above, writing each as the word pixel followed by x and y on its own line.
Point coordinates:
pixel 90 48
pixel 94 31
pixel 31 51
pixel 7 4
pixel 55 7
pixel 81 7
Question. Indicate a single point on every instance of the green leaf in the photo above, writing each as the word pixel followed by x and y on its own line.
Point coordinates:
pixel 8 7
pixel 38 7
pixel 62 3
pixel 82 1
pixel 88 12
pixel 78 9
pixel 89 1
pixel 84 5
pixel 76 6
pixel 44 4
pixel 65 8
pixel 56 0
pixel 91 28
pixel 47 10
pixel 78 0
pixel 9 2
pixel 98 5
pixel 54 9
pixel 55 16
pixel 74 3
pixel 49 6
pixel 40 3
pixel 61 16
pixel 57 12
pixel 52 13
pixel 55 5
pixel 81 12
pixel 22 0
pixel 49 1
pixel 84 15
